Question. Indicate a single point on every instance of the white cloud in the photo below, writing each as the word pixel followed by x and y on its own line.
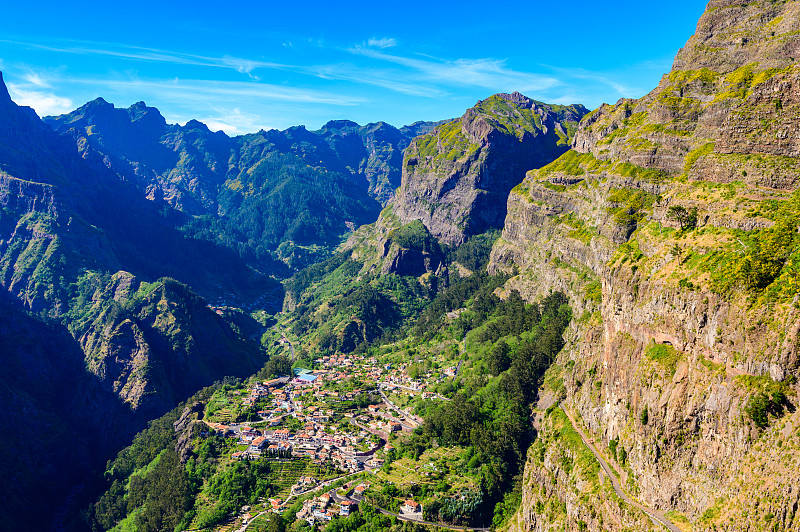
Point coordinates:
pixel 567 99
pixel 409 75
pixel 607 79
pixel 245 66
pixel 44 103
pixel 234 122
pixel 385 42
pixel 35 79
pixel 201 90
pixel 386 78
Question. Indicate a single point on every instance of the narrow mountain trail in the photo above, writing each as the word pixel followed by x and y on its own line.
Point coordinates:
pixel 654 514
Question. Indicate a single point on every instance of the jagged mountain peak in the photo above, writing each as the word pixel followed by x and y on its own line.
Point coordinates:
pixel 730 91
pixel 456 178
pixel 5 97
pixel 650 224
pixel 732 33
pixel 338 125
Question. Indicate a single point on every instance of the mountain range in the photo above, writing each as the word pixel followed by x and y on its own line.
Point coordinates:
pixel 142 262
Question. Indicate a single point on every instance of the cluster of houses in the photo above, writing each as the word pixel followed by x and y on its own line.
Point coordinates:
pixel 348 451
pixel 295 421
pixel 325 507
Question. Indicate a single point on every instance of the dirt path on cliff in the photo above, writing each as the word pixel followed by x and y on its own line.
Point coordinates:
pixel 656 515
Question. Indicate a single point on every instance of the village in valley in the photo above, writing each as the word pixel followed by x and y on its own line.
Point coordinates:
pixel 339 418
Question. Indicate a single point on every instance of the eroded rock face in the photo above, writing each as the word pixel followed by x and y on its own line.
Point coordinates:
pixel 664 361
pixel 456 179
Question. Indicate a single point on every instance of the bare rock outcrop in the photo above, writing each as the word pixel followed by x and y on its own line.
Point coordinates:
pixel 456 179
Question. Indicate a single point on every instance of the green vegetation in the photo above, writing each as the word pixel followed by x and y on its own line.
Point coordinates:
pixel 769 398
pixel 568 448
pixel 644 174
pixel 761 261
pixel 478 287
pixel 580 230
pixel 517 121
pixel 665 355
pixel 627 205
pixel 579 164
pixel 713 512
pixel 492 419
pixel 148 479
pixel 282 201
pixel 415 236
pixel 576 164
pixel 687 218
pixel 446 142
pixel 740 83
pixel 594 291
pixel 694 155
pixel 474 253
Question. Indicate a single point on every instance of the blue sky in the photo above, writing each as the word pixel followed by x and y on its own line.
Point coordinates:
pixel 242 66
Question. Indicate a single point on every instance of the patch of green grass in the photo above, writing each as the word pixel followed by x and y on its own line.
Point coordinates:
pixel 712 513
pixel 713 367
pixel 628 204
pixel 575 163
pixel 695 154
pixel 741 82
pixel 583 460
pixel 665 355
pixel 594 291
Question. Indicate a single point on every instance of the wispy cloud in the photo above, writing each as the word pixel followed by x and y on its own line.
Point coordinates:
pixel 234 122
pixel 492 74
pixel 200 89
pixel 44 103
pixel 151 55
pixel 613 80
pixel 34 91
pixel 385 42
pixel 386 78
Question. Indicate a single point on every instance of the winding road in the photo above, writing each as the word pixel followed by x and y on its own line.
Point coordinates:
pixel 411 422
pixel 656 515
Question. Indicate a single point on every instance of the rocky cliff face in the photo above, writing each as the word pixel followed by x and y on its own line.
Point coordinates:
pixel 456 178
pixel 672 226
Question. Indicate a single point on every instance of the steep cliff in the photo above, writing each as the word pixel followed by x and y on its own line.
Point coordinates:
pixel 672 225
pixel 456 178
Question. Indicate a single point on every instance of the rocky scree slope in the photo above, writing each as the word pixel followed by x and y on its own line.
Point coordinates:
pixel 673 226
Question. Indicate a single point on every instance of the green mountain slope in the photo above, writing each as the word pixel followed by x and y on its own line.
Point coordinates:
pixel 121 351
